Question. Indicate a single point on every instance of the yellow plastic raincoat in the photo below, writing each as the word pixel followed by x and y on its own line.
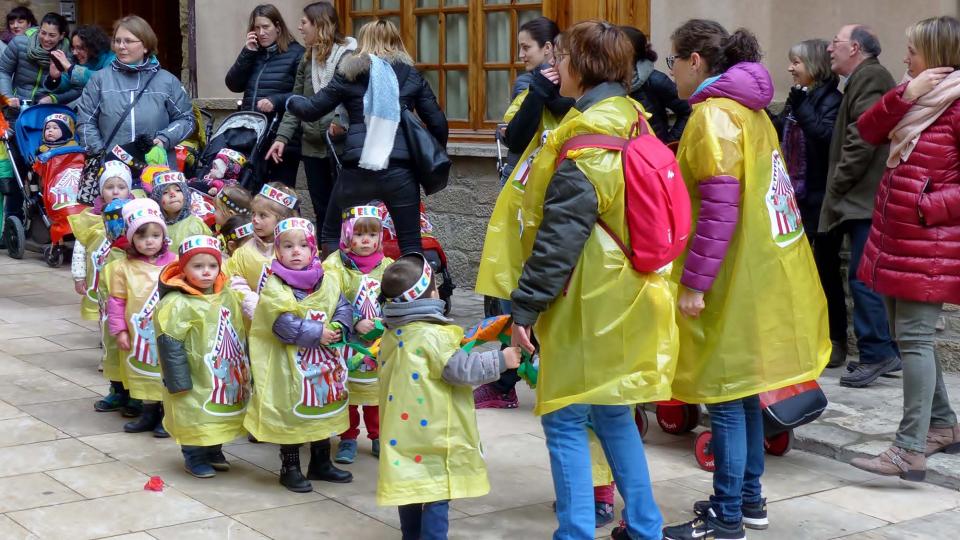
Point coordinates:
pixel 765 322
pixel 113 369
pixel 502 259
pixel 431 446
pixel 185 228
pixel 211 328
pixel 611 337
pixel 248 263
pixel 136 281
pixel 300 395
pixel 88 229
pixel 362 292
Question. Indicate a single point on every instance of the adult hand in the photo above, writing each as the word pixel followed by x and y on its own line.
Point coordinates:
pixel 511 357
pixel 551 74
pixel 690 302
pixel 123 341
pixel 335 130
pixel 796 97
pixel 252 42
pixel 157 141
pixel 44 100
pixel 13 103
pixel 62 58
pixel 925 82
pixel 520 337
pixel 265 105
pixel 54 71
pixel 276 151
pixel 80 285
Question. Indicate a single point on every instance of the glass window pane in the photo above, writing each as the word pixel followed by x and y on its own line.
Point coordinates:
pixel 363 5
pixel 528 1
pixel 456 52
pixel 526 15
pixel 457 95
pixel 395 19
pixel 433 79
pixel 426 3
pixel 428 38
pixel 496 2
pixel 498 94
pixel 389 4
pixel 451 3
pixel 358 23
pixel 498 36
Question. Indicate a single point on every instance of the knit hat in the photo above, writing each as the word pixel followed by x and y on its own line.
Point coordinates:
pixel 164 180
pixel 140 212
pixel 113 219
pixel 64 122
pixel 197 245
pixel 420 286
pixel 350 217
pixel 115 169
pixel 234 161
pixel 297 224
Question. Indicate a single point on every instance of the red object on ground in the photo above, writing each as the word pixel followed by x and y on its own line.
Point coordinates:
pixel 155 483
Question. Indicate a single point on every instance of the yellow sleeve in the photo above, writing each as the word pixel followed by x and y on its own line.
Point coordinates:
pixel 174 317
pixel 716 147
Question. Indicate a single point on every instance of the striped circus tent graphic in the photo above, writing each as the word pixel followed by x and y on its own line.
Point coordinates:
pixel 143 349
pixel 323 374
pixel 98 258
pixel 786 226
pixel 230 365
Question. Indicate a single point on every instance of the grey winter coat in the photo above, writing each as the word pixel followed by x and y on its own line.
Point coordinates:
pixel 21 78
pixel 164 111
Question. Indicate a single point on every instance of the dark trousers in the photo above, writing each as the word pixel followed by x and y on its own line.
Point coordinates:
pixel 826 253
pixel 424 521
pixel 320 182
pixel 869 312
pixel 396 186
pixel 284 172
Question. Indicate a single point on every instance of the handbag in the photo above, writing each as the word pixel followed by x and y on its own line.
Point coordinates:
pixel 791 406
pixel 430 160
pixel 89 188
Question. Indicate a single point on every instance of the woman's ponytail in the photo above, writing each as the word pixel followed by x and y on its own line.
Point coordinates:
pixel 741 46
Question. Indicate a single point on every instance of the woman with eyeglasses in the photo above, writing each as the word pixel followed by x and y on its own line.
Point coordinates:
pixel 162 112
pixel 89 52
pixel 27 59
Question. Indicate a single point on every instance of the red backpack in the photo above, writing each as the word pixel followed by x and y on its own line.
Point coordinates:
pixel 657 205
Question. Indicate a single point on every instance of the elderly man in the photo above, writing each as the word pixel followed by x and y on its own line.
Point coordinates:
pixel 855 169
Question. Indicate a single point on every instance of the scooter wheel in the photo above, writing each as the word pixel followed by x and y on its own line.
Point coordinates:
pixel 53 256
pixel 779 444
pixel 678 419
pixel 704 451
pixel 642 423
pixel 15 236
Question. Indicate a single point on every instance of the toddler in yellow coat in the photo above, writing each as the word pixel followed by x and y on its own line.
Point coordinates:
pixel 431 450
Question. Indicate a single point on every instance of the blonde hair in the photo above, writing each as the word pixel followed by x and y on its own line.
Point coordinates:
pixel 141 29
pixel 382 38
pixel 275 208
pixel 323 15
pixel 937 39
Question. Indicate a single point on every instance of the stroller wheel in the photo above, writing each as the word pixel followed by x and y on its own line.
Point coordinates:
pixel 53 255
pixel 15 237
pixel 779 444
pixel 704 452
pixel 678 419
pixel 642 422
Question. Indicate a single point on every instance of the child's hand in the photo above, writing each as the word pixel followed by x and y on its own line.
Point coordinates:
pixel 364 326
pixel 123 340
pixel 511 357
pixel 80 285
pixel 329 336
pixel 690 302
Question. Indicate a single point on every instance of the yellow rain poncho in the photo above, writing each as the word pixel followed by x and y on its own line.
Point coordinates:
pixel 88 229
pixel 299 395
pixel 502 259
pixel 362 292
pixel 248 263
pixel 765 322
pixel 185 228
pixel 211 328
pixel 136 281
pixel 430 444
pixel 113 369
pixel 611 337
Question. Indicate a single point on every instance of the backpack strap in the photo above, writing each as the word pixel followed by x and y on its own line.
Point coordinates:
pixel 593 140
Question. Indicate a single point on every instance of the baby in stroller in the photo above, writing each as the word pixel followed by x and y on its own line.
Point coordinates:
pixel 58 131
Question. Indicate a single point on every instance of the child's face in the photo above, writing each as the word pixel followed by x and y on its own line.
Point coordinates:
pixel 364 243
pixel 202 271
pixel 221 213
pixel 148 240
pixel 293 250
pixel 52 132
pixel 264 222
pixel 172 201
pixel 114 188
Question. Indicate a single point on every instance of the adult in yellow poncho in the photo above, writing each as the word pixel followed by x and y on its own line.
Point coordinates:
pixel 300 377
pixel 203 352
pixel 607 333
pixel 753 315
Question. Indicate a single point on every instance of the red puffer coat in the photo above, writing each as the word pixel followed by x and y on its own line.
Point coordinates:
pixel 908 256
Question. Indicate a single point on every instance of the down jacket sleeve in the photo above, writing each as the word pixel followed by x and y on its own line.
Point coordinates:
pixel 8 68
pixel 174 364
pixel 239 73
pixel 719 212
pixel 88 116
pixel 879 120
pixel 429 111
pixel 473 368
pixel 298 331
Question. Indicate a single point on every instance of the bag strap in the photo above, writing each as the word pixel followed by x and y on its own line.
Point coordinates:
pixel 593 140
pixel 107 142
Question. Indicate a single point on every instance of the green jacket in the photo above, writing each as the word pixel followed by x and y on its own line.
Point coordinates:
pixel 855 166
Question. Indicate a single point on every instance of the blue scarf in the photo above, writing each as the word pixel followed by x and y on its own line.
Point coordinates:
pixel 381 114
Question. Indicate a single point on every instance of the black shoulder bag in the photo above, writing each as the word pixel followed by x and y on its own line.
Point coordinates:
pixel 431 163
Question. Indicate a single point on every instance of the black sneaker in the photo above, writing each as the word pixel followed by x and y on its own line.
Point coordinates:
pixel 708 527
pixel 754 515
pixel 860 375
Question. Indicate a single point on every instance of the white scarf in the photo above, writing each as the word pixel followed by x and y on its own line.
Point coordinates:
pixel 322 71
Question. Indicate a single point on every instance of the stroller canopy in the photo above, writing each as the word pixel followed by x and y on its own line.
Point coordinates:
pixel 29 131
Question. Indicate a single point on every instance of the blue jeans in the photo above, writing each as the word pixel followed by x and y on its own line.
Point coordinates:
pixel 426 521
pixel 737 445
pixel 869 312
pixel 566 432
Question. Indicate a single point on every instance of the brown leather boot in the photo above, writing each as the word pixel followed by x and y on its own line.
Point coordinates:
pixel 944 439
pixel 895 461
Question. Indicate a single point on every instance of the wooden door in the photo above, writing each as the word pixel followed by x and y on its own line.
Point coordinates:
pixel 163 16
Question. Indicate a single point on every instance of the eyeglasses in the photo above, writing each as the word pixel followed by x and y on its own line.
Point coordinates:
pixel 836 41
pixel 119 42
pixel 671 60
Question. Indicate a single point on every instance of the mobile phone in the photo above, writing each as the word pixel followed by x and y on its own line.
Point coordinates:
pixel 56 61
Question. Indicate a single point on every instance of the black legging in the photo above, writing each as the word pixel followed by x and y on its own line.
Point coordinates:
pixel 320 185
pixel 396 186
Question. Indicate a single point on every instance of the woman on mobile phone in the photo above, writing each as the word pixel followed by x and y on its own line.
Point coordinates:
pixel 265 71
pixel 26 60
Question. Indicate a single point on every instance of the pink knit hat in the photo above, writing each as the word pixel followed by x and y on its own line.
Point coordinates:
pixel 139 212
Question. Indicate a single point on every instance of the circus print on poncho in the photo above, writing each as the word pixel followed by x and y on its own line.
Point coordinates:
pixel 143 349
pixel 230 371
pixel 264 275
pixel 785 224
pixel 98 258
pixel 365 306
pixel 323 378
pixel 63 192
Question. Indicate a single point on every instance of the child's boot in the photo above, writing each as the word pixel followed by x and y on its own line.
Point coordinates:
pixel 147 421
pixel 195 462
pixel 217 460
pixel 291 477
pixel 115 400
pixel 133 408
pixel 375 448
pixel 158 430
pixel 321 468
pixel 346 452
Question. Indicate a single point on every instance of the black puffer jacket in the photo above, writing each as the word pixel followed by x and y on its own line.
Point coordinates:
pixel 657 93
pixel 348 88
pixel 265 73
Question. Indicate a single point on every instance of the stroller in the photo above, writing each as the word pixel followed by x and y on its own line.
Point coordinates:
pixel 49 184
pixel 430 245
pixel 247 133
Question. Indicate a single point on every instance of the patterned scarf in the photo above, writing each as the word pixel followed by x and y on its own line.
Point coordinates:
pixel 40 56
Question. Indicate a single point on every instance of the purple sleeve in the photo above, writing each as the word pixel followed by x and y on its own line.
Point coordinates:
pixel 116 315
pixel 344 316
pixel 719 212
pixel 298 331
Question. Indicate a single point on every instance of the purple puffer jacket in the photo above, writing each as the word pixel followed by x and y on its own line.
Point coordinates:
pixel 750 85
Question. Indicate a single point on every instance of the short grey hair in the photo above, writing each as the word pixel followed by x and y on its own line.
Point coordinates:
pixel 864 36
pixel 813 54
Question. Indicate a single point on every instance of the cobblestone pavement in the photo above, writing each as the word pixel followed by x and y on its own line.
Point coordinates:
pixel 67 472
